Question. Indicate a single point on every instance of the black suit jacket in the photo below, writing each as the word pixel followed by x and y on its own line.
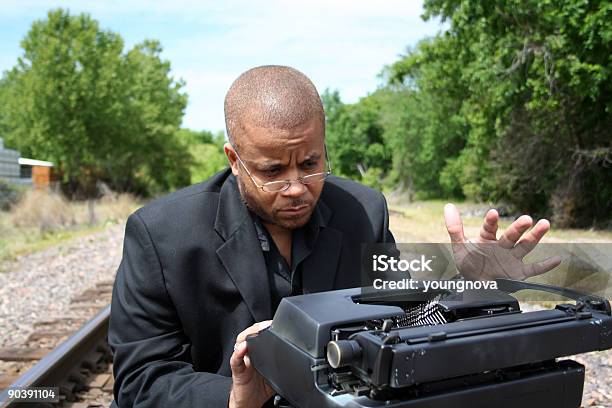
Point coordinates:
pixel 193 276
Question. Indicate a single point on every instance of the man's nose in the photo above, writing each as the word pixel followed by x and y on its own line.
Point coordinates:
pixel 296 189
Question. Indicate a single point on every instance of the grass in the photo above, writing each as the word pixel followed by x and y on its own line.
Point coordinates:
pixel 11 249
pixel 423 221
pixel 43 219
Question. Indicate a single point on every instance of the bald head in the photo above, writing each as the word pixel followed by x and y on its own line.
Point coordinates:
pixel 270 96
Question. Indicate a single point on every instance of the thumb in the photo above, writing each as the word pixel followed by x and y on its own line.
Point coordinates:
pixel 237 363
pixel 454 226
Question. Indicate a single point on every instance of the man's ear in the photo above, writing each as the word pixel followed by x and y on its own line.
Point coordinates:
pixel 231 157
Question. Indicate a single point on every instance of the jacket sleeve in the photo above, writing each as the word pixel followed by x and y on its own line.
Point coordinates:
pixel 152 355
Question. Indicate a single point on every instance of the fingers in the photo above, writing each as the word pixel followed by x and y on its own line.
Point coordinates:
pixel 514 231
pixel 264 324
pixel 256 328
pixel 237 360
pixel 488 231
pixel 541 267
pixel 530 240
pixel 454 226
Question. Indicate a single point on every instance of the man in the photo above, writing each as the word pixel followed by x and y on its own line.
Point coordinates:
pixel 205 266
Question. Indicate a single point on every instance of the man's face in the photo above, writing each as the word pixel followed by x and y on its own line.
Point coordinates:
pixel 280 154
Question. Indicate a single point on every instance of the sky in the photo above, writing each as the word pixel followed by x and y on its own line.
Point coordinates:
pixel 338 44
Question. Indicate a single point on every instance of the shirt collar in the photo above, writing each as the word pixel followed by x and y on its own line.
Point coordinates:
pixel 261 233
pixel 308 232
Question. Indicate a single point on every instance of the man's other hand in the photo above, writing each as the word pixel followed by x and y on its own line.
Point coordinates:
pixel 487 257
pixel 249 389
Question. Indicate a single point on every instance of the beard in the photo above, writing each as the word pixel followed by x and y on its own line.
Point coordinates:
pixel 253 205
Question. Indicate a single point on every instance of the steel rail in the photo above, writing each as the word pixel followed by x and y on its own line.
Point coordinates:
pixel 53 369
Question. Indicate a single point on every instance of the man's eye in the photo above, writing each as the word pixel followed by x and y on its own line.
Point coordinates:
pixel 271 172
pixel 309 164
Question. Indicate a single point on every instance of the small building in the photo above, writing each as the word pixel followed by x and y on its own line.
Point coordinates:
pixel 24 171
pixel 9 165
pixel 39 172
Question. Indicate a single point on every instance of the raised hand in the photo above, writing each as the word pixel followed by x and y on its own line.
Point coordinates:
pixel 487 257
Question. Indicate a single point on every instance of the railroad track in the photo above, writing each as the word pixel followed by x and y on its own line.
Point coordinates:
pixel 67 352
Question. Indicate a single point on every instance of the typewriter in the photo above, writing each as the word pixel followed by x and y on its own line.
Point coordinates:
pixel 357 348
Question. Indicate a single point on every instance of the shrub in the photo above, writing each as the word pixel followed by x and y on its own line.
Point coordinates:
pixel 47 211
pixel 9 195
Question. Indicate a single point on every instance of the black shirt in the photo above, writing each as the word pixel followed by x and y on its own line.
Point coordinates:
pixel 285 279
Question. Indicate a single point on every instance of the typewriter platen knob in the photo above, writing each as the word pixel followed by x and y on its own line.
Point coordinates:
pixel 342 352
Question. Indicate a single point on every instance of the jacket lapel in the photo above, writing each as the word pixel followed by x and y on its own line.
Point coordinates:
pixel 241 253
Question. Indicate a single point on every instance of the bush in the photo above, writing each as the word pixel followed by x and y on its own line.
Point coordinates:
pixel 116 208
pixel 47 211
pixel 373 177
pixel 9 195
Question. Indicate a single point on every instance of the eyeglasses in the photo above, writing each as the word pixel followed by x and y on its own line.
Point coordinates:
pixel 283 185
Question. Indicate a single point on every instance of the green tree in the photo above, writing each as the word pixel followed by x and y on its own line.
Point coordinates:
pixel 515 101
pixel 206 150
pixel 99 114
pixel 354 138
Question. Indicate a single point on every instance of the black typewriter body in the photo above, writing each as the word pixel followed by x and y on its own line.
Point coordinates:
pixel 350 348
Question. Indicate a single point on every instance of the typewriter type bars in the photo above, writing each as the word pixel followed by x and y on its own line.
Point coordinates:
pixel 426 313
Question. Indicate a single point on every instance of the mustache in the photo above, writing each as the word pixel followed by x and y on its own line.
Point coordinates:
pixel 298 202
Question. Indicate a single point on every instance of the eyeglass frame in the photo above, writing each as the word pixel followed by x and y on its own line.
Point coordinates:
pixel 288 183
